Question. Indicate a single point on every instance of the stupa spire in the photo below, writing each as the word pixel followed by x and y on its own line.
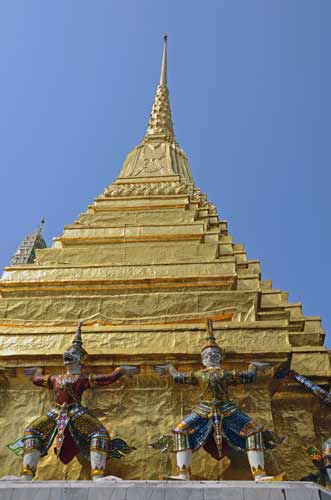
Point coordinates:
pixel 158 154
pixel 163 76
pixel 160 120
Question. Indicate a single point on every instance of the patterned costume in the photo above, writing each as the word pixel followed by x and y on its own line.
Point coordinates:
pixel 321 458
pixel 76 430
pixel 214 423
pixel 73 427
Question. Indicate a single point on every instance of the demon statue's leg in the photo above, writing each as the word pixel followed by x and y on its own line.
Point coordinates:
pixel 98 464
pixel 29 466
pixel 31 456
pixel 183 456
pixel 255 453
pixel 100 444
pixel 184 460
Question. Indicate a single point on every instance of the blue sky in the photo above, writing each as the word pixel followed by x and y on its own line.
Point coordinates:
pixel 250 91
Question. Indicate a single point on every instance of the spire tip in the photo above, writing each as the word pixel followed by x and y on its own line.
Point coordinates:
pixel 41 225
pixel 163 77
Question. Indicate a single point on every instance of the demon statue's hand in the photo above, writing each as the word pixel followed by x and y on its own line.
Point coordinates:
pixel 284 370
pixel 162 369
pixel 247 377
pixel 33 370
pixel 130 370
pixel 259 366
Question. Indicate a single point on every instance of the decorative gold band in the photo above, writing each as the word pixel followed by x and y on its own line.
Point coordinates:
pixel 258 471
pixel 254 442
pixel 97 472
pixel 26 471
pixel 181 442
pixel 184 469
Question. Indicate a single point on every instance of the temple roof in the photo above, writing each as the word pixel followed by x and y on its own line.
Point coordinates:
pixel 149 261
pixel 158 154
pixel 25 254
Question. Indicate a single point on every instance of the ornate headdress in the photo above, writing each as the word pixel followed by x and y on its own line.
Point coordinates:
pixel 211 341
pixel 78 342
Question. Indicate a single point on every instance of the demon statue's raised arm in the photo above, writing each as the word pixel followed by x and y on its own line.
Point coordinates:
pixel 320 456
pixel 215 423
pixel 73 428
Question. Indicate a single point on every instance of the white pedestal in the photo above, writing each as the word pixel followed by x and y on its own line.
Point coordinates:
pixel 160 490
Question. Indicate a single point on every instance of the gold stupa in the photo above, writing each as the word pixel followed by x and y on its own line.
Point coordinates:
pixel 144 267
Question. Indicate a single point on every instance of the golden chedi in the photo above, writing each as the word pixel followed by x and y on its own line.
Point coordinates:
pixel 144 267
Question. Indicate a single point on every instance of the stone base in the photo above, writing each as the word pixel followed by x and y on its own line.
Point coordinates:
pixel 160 490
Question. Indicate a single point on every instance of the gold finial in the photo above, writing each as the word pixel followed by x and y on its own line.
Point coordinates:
pixel 158 154
pixel 160 121
pixel 163 76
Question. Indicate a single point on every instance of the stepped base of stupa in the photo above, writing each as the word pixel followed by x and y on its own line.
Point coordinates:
pixel 160 490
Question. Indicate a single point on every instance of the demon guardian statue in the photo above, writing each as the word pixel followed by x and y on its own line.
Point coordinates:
pixel 75 430
pixel 215 423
